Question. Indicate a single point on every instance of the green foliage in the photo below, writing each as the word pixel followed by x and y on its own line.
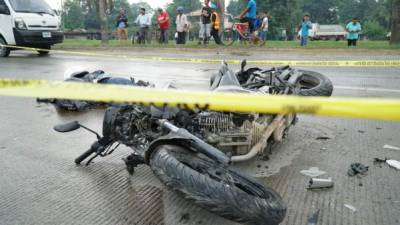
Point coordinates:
pixel 72 16
pixel 374 31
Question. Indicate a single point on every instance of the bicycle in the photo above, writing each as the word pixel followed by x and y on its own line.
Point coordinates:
pixel 240 31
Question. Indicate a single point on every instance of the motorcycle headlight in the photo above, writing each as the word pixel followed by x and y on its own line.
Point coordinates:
pixel 20 24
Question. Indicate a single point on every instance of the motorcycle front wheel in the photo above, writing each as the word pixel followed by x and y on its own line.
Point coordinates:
pixel 219 190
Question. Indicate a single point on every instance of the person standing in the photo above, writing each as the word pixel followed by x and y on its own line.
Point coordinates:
pixel 215 24
pixel 122 25
pixel 264 28
pixel 144 22
pixel 163 22
pixel 304 30
pixel 205 23
pixel 182 26
pixel 353 30
pixel 249 15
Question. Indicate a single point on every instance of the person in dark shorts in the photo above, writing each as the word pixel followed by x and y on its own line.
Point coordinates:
pixel 215 24
pixel 249 15
pixel 353 29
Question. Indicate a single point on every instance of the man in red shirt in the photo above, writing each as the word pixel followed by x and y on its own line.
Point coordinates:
pixel 163 22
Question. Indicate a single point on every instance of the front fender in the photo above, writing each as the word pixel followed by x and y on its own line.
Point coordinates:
pixel 170 139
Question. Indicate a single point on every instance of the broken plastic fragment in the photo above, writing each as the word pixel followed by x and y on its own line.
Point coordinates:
pixel 313 172
pixel 313 219
pixel 393 163
pixel 352 208
pixel 391 147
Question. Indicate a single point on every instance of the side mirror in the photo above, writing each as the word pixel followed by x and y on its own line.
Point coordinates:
pixel 67 127
pixel 243 65
pixel 4 10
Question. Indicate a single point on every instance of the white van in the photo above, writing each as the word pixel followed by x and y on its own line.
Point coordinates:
pixel 28 23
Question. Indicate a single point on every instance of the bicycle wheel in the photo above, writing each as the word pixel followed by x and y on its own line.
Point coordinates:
pixel 231 36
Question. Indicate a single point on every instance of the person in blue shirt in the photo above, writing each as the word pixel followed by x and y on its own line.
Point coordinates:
pixel 353 29
pixel 249 15
pixel 304 30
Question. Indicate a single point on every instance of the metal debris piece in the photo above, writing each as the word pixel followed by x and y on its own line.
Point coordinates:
pixel 352 208
pixel 357 168
pixel 323 138
pixel 393 163
pixel 313 219
pixel 316 183
pixel 391 147
pixel 313 172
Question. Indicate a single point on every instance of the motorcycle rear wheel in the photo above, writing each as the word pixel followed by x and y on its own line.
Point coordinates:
pixel 215 188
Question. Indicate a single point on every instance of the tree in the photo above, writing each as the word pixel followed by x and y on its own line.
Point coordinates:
pixel 101 7
pixel 72 16
pixel 395 38
pixel 235 7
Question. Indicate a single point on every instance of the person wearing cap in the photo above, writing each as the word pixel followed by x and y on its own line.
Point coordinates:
pixel 163 23
pixel 304 30
pixel 205 23
pixel 215 24
pixel 144 22
pixel 353 29
pixel 182 26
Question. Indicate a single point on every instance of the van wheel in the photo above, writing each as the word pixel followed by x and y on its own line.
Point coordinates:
pixel 4 51
pixel 45 52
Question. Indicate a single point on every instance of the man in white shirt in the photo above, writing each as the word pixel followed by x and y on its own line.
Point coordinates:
pixel 264 28
pixel 144 22
pixel 182 26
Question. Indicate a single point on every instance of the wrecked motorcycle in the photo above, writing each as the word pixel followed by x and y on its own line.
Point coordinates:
pixel 96 77
pixel 190 150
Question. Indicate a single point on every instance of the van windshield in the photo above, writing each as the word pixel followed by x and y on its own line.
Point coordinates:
pixel 31 6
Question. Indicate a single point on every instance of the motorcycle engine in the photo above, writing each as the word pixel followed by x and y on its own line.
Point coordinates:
pixel 231 132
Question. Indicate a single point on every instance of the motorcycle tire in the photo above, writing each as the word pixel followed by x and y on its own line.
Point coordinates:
pixel 314 84
pixel 219 190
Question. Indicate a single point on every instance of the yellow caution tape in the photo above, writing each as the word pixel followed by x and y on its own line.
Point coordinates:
pixel 379 109
pixel 313 63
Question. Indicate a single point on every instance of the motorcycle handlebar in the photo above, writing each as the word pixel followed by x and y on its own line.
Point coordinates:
pixel 97 147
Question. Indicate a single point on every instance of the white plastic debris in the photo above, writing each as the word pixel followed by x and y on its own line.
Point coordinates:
pixel 352 208
pixel 313 172
pixel 391 147
pixel 393 163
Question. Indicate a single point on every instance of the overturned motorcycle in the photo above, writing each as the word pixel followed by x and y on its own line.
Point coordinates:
pixel 191 151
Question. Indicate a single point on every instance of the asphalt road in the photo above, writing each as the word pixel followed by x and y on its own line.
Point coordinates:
pixel 39 184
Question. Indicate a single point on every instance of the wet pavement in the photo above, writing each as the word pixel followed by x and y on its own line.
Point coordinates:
pixel 39 183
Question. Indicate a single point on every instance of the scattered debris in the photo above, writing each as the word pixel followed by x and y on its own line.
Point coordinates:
pixel 315 183
pixel 360 184
pixel 352 208
pixel 185 218
pixel 313 219
pixel 379 128
pixel 357 168
pixel 323 138
pixel 392 163
pixel 361 131
pixel 313 172
pixel 391 147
